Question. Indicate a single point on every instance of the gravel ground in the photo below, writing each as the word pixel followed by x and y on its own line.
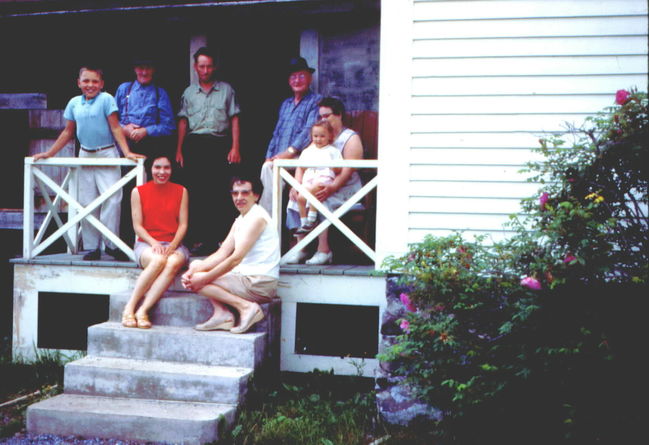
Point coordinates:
pixel 48 439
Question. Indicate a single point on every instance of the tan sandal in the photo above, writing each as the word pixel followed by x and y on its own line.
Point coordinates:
pixel 128 321
pixel 143 321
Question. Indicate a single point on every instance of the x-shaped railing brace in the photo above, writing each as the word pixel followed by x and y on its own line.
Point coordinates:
pixel 331 217
pixel 83 212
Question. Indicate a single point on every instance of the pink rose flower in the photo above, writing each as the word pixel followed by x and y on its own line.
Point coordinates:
pixel 543 199
pixel 531 283
pixel 405 299
pixel 405 326
pixel 621 97
pixel 569 258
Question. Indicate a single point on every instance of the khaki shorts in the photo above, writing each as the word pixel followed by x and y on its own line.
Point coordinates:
pixel 257 288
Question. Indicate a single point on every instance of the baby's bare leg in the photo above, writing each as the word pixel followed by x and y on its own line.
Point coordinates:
pixel 302 202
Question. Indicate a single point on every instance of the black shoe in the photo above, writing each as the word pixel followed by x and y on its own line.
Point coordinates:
pixel 117 254
pixel 306 228
pixel 93 255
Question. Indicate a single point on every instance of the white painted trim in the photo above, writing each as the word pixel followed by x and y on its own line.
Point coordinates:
pixel 34 174
pixel 394 127
pixel 279 171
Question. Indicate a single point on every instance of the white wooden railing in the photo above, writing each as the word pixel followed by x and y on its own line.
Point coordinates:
pixel 33 245
pixel 280 173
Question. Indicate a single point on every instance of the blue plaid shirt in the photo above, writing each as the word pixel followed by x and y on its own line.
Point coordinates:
pixel 293 127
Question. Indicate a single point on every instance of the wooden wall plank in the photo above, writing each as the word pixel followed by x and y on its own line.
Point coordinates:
pixel 471 10
pixel 532 85
pixel 531 46
pixel 540 27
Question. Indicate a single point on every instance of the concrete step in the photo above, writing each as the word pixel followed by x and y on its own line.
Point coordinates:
pixel 177 344
pixel 188 423
pixel 152 379
pixel 189 309
pixel 173 309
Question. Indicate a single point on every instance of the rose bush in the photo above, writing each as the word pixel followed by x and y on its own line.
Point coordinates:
pixel 541 332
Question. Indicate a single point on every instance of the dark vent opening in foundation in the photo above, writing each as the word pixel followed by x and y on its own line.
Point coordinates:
pixel 64 318
pixel 336 330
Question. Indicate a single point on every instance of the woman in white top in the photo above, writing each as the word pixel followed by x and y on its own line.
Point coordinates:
pixel 244 271
pixel 343 186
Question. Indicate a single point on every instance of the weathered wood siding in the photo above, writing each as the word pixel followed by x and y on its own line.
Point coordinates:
pixel 487 78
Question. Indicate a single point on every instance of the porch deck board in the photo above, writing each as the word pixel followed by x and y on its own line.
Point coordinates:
pixel 66 259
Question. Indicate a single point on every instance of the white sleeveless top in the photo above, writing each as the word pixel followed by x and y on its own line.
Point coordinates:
pixel 263 257
pixel 352 185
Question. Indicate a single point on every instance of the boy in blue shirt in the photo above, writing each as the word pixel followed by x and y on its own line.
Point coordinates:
pixel 93 117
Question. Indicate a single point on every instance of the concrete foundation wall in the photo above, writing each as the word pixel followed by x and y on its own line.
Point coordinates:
pixel 30 279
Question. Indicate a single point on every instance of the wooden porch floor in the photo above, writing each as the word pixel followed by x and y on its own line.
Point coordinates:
pixel 65 259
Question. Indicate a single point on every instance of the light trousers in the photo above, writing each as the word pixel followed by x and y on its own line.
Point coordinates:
pixel 93 181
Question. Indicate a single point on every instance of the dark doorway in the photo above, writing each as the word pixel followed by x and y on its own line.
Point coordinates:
pixel 254 65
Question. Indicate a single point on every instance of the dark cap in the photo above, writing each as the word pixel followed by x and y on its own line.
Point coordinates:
pixel 141 60
pixel 298 64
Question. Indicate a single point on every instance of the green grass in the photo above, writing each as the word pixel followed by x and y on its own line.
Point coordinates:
pixel 21 378
pixel 317 408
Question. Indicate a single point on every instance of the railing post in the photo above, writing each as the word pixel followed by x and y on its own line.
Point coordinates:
pixel 277 199
pixel 141 174
pixel 28 210
pixel 73 190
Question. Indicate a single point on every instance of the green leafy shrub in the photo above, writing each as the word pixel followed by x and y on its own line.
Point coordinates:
pixel 536 338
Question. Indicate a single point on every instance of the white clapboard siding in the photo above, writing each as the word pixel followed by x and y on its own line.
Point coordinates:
pixel 423 156
pixel 467 172
pixel 507 85
pixel 542 26
pixel 483 140
pixel 486 79
pixel 529 66
pixel 521 9
pixel 458 221
pixel 530 46
pixel 471 189
pixel 457 205
pixel 527 122
pixel 492 236
pixel 506 104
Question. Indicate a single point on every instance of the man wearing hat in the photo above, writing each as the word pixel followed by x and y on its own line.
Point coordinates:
pixel 145 113
pixel 148 124
pixel 292 133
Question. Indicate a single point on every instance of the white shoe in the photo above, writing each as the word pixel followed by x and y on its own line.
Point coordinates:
pixel 320 258
pixel 294 258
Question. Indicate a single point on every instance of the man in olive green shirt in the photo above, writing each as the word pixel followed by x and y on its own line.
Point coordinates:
pixel 208 143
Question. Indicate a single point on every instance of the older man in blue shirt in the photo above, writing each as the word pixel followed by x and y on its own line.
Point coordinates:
pixel 293 130
pixel 145 113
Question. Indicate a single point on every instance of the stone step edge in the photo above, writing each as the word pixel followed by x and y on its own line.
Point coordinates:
pixel 114 405
pixel 176 330
pixel 142 420
pixel 170 367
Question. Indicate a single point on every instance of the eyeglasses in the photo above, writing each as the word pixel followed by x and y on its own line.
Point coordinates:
pixel 300 76
pixel 244 193
pixel 325 115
